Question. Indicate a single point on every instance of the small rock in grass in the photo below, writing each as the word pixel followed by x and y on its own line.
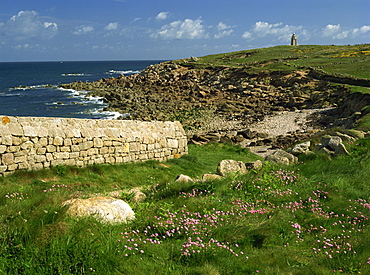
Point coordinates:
pixel 282 157
pixel 183 178
pixel 254 165
pixel 229 166
pixel 302 148
pixel 207 177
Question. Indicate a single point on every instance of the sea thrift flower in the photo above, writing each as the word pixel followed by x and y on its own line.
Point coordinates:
pixel 296 225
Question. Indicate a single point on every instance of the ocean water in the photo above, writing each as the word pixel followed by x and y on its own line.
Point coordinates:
pixel 30 88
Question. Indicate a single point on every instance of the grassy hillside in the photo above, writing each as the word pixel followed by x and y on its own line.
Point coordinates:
pixel 309 218
pixel 312 218
pixel 347 60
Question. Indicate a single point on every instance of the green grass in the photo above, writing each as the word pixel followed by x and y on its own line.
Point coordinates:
pixel 279 220
pixel 349 60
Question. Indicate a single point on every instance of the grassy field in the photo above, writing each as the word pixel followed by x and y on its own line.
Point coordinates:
pixel 350 60
pixel 311 218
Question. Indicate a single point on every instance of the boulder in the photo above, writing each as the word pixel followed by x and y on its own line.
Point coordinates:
pixel 325 150
pixel 356 134
pixel 332 145
pixel 138 195
pixel 324 141
pixel 345 137
pixel 213 137
pixel 208 177
pixel 336 144
pixel 229 166
pixel 105 209
pixel 254 165
pixel 282 157
pixel 249 134
pixel 302 148
pixel 183 178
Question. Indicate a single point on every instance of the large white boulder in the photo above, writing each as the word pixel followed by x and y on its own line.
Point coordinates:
pixel 105 209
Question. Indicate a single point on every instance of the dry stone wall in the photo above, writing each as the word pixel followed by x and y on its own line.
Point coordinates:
pixel 32 143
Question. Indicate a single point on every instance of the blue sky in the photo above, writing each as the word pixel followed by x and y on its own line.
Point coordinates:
pixel 61 30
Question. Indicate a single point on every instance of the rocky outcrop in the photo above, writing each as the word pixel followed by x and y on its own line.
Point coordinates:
pixel 219 103
pixel 198 96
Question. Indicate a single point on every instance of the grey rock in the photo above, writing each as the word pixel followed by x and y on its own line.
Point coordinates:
pixel 345 137
pixel 183 178
pixel 336 144
pixel 302 148
pixel 325 150
pixel 282 157
pixel 278 159
pixel 254 165
pixel 227 167
pixel 249 134
pixel 207 177
pixel 325 140
pixel 356 133
pixel 138 195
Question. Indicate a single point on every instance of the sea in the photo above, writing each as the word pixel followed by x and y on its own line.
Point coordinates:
pixel 31 88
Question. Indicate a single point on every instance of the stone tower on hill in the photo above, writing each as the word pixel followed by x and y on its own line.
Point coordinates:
pixel 293 41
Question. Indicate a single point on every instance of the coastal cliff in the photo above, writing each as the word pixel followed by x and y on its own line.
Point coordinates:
pixel 210 97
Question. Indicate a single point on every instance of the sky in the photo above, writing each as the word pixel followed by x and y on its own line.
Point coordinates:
pixel 82 30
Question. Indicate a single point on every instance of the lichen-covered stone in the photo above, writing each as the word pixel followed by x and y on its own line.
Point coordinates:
pixel 282 157
pixel 229 166
pixel 301 148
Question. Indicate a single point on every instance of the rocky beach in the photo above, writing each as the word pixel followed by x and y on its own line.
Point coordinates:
pixel 229 103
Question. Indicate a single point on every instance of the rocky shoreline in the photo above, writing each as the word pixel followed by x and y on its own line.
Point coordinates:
pixel 221 103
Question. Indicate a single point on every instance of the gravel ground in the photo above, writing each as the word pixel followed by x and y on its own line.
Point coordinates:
pixel 286 122
pixel 283 124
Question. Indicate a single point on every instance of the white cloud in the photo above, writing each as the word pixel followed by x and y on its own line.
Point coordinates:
pixel 277 30
pixel 222 26
pixel 112 26
pixel 50 29
pixel 331 30
pixel 83 29
pixel 364 29
pixel 223 30
pixel 27 24
pixel 247 35
pixel 264 28
pixel 162 16
pixel 27 46
pixel 342 35
pixel 336 32
pixel 187 29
